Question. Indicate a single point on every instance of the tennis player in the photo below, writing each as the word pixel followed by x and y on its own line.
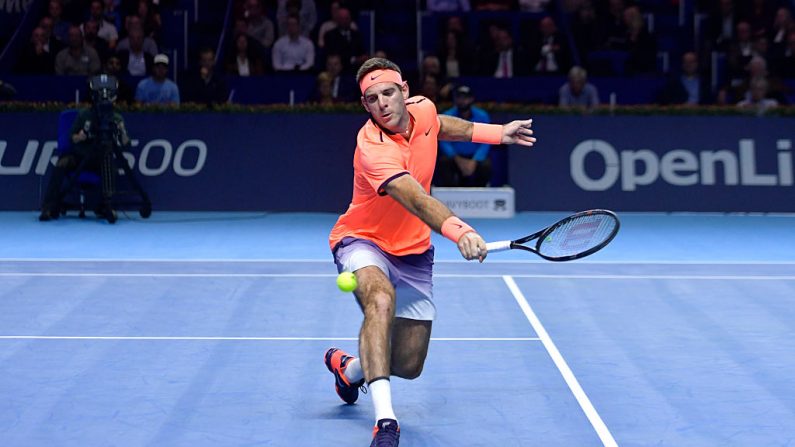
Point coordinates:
pixel 384 237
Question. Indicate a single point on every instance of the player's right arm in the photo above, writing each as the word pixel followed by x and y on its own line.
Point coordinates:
pixel 409 193
pixel 452 128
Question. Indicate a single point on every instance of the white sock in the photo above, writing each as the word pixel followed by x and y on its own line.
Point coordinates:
pixel 381 391
pixel 353 372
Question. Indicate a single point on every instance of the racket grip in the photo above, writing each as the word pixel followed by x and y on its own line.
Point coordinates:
pixel 493 247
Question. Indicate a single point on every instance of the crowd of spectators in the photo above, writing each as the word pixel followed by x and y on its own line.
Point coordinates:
pixel 753 39
pixel 82 38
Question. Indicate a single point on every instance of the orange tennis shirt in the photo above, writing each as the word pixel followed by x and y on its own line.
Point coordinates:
pixel 381 157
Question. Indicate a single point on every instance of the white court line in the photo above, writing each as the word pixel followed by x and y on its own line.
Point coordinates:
pixel 87 337
pixel 439 275
pixel 438 261
pixel 565 371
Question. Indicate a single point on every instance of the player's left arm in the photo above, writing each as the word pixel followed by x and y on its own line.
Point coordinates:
pixel 452 128
pixel 409 193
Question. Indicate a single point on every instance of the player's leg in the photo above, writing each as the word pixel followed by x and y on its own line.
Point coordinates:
pixel 411 331
pixel 410 339
pixel 376 297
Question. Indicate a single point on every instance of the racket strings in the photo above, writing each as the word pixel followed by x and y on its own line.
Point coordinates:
pixel 578 235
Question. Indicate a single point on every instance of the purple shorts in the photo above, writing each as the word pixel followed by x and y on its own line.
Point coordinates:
pixel 411 275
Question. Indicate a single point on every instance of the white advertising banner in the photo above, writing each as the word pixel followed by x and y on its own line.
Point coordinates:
pixel 478 202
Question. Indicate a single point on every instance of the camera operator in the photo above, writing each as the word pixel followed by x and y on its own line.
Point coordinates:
pixel 95 133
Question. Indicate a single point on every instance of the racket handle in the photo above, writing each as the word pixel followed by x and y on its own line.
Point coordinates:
pixel 493 247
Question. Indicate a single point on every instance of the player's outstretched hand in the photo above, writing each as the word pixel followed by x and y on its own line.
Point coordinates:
pixel 472 246
pixel 518 132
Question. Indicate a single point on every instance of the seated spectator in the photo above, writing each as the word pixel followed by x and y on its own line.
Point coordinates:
pixel 736 89
pixel 782 27
pixel 322 94
pixel 293 52
pixel 429 87
pixel 158 89
pixel 585 30
pixel 112 13
pixel 760 47
pixel 346 41
pixel 784 66
pixel 77 59
pixel 36 58
pixel 759 14
pixel 613 26
pixel 52 44
pixel 504 60
pixel 206 87
pixel 306 10
pixel 90 39
pixel 113 67
pixel 241 27
pixel 689 87
pixel 549 51
pixel 135 61
pixel 448 5
pixel 343 87
pixel 149 45
pixel 741 50
pixel 243 60
pixel 641 47
pixel 330 24
pixel 150 18
pixel 456 56
pixel 464 163
pixel 432 80
pixel 756 99
pixel 60 27
pixel 721 25
pixel 430 66
pixel 107 31
pixel 578 92
pixel 258 25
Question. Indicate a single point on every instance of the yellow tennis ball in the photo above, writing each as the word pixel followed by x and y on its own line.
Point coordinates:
pixel 346 281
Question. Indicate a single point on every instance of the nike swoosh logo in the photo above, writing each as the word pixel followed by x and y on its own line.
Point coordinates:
pixel 428 131
pixel 458 225
pixel 373 78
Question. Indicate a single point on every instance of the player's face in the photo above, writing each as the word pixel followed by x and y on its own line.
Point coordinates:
pixel 386 102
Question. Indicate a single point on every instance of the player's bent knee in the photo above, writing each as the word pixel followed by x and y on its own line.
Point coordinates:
pixel 408 372
pixel 380 305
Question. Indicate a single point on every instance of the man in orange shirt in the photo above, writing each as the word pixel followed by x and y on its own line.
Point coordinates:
pixel 384 237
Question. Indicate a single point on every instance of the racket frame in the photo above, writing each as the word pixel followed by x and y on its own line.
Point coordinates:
pixel 539 236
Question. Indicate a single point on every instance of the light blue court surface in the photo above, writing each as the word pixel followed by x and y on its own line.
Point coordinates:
pixel 208 329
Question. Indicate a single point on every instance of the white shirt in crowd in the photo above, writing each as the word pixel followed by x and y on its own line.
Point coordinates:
pixel 288 54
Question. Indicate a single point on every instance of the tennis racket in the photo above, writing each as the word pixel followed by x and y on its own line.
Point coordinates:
pixel 574 237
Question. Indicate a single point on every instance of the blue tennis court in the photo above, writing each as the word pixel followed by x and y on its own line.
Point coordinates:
pixel 193 329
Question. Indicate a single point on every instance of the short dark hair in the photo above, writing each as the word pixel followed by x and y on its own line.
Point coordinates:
pixel 375 63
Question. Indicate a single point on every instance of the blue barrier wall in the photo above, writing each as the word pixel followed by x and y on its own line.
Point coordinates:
pixel 302 162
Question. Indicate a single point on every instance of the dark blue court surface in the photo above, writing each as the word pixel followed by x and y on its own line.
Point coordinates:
pixel 200 329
